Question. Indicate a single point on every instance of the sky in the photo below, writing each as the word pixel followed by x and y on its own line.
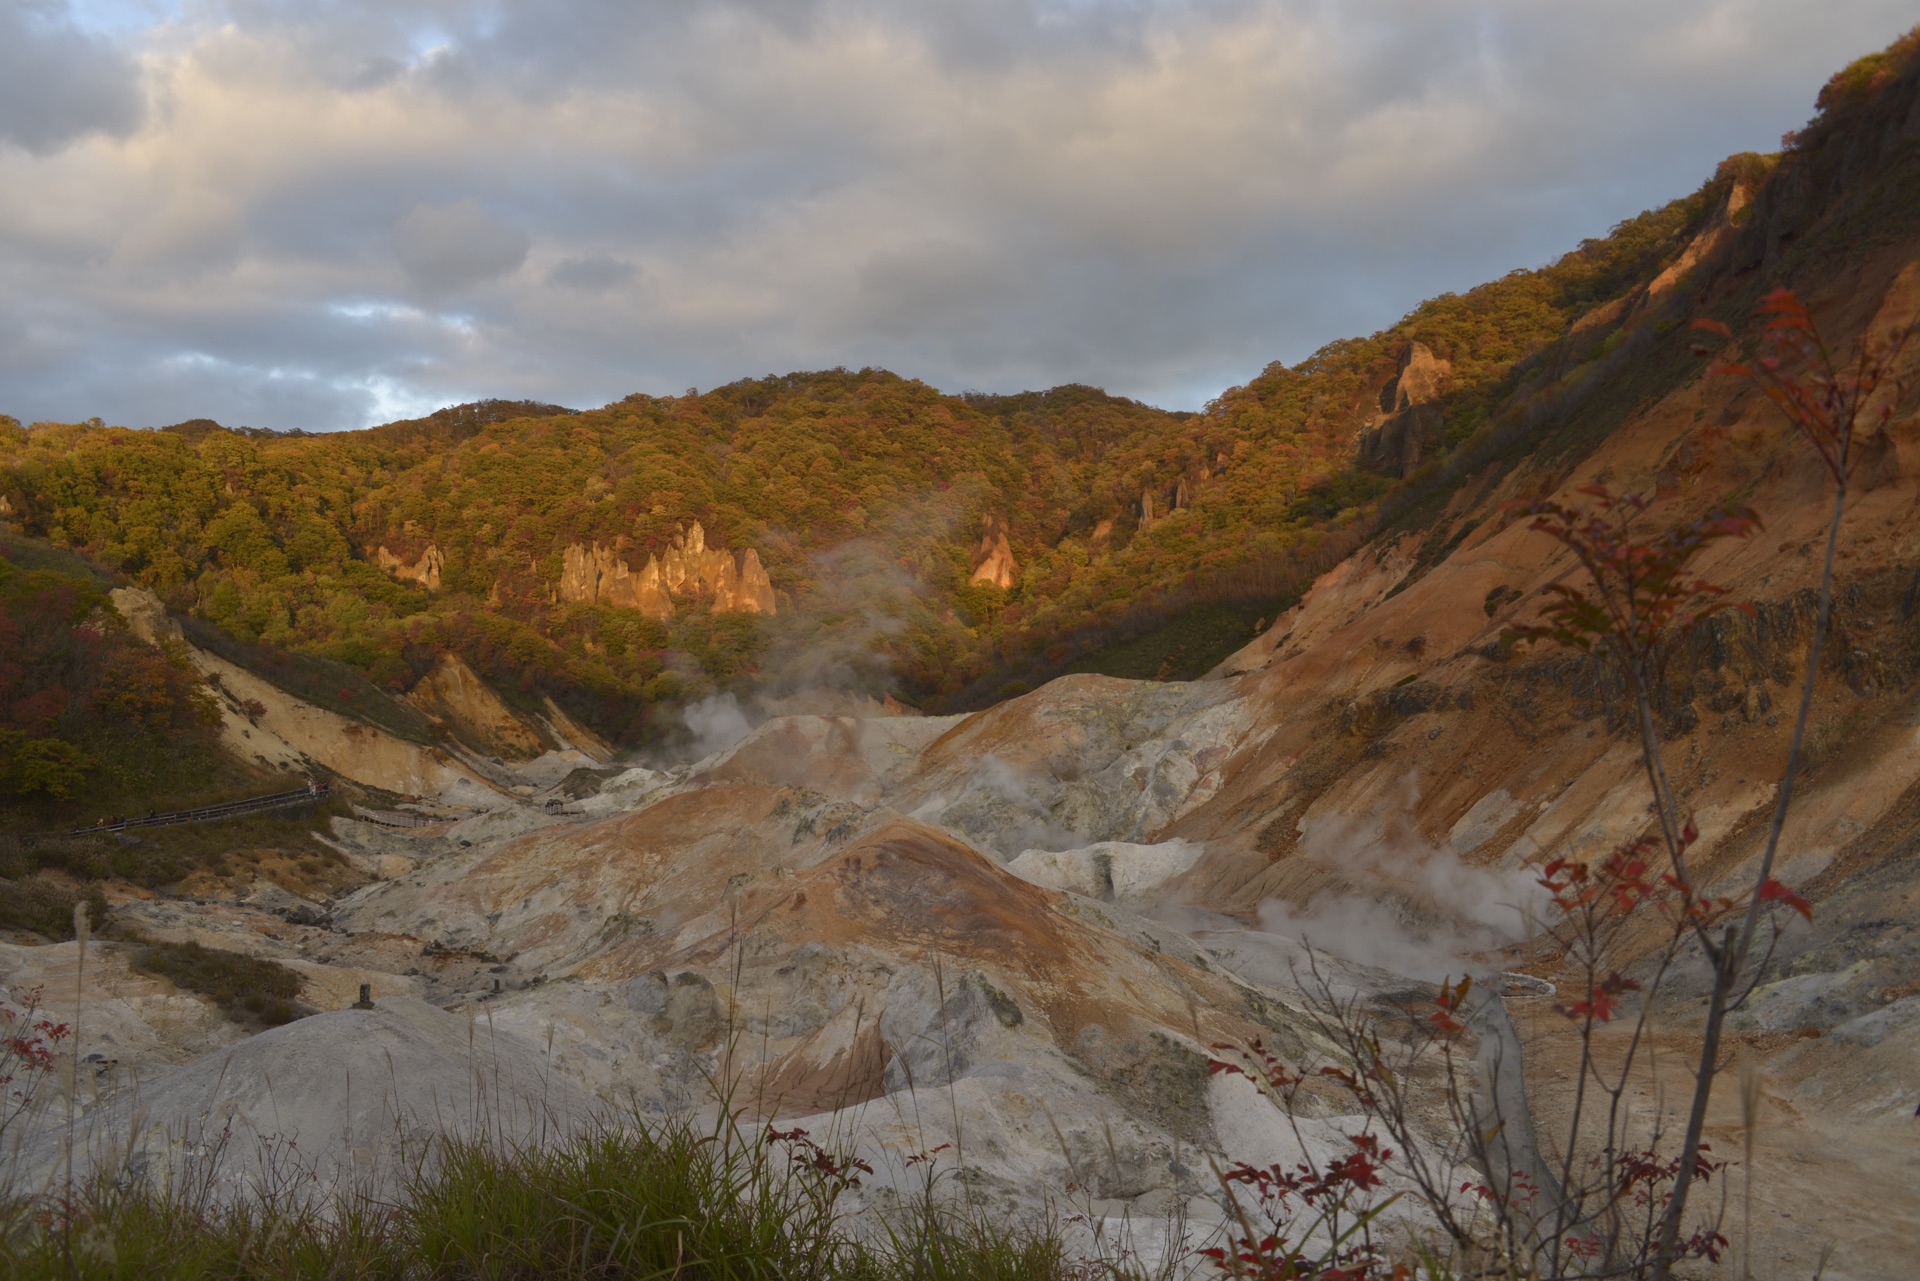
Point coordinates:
pixel 322 215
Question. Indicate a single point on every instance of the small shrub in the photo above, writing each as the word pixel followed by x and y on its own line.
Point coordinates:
pixel 155 857
pixel 248 989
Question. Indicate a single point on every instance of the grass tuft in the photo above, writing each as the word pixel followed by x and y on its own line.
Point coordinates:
pixel 45 907
pixel 618 1203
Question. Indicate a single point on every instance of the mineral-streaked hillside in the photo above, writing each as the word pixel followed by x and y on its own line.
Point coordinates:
pixel 1020 930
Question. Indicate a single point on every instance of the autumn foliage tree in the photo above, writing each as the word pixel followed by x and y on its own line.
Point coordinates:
pixel 79 693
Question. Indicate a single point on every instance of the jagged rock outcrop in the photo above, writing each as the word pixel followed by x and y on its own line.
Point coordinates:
pixel 451 693
pixel 690 565
pixel 1394 441
pixel 1397 445
pixel 1163 502
pixel 993 554
pixel 1421 373
pixel 646 591
pixel 1713 238
pixel 756 589
pixel 598 574
pixel 426 571
pixel 725 583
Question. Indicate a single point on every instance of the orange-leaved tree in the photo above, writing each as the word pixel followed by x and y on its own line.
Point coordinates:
pixel 1639 597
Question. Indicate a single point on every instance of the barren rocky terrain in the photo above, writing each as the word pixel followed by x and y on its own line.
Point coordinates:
pixel 1019 932
pixel 1010 941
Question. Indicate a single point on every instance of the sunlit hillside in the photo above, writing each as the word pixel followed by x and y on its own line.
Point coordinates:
pixel 865 494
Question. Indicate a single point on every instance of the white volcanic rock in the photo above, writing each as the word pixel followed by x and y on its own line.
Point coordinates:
pixel 1084 759
pixel 628 790
pixel 1254 1132
pixel 348 1097
pixel 135 1023
pixel 549 768
pixel 839 960
pixel 500 824
pixel 1112 871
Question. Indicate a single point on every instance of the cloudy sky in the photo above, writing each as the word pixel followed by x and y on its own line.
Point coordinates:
pixel 304 213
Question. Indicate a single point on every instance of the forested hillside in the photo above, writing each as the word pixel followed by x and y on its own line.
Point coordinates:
pixel 1145 543
pixel 84 706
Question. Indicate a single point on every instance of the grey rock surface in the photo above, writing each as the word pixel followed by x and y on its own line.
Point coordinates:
pixel 340 1101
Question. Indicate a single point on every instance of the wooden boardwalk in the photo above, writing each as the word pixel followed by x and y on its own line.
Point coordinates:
pixel 309 795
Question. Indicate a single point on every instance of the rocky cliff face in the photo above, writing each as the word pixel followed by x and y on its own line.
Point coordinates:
pixel 1157 504
pixel 452 694
pixel 993 554
pixel 1395 439
pixel 755 591
pixel 1714 240
pixel 263 724
pixel 425 571
pixel 597 575
pixel 690 569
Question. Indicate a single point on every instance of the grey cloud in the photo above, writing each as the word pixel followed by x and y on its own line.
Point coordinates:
pixel 932 284
pixel 451 247
pixel 149 390
pixel 57 83
pixel 376 72
pixel 1159 196
pixel 593 273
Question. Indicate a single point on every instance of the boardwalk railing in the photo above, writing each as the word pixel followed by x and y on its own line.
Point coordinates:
pixel 204 814
pixel 391 818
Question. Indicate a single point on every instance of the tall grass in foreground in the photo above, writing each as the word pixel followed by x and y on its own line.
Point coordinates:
pixel 660 1201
